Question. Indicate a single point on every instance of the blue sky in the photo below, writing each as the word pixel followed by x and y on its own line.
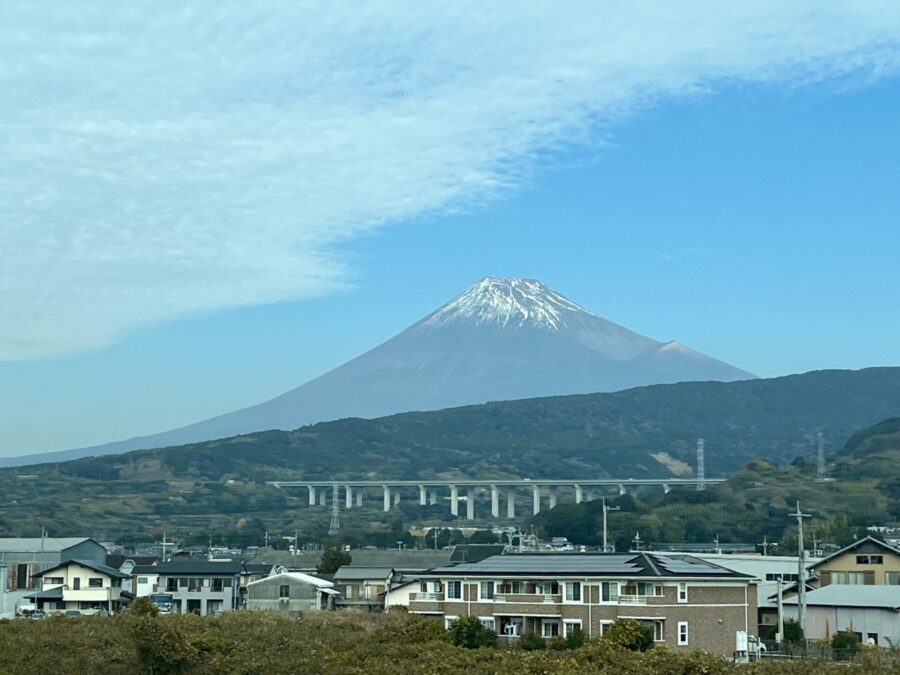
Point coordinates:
pixel 744 205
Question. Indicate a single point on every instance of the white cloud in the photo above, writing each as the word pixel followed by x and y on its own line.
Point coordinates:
pixel 157 160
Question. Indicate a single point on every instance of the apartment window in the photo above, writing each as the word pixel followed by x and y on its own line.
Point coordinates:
pixel 658 628
pixel 438 586
pixel 172 585
pixel 423 587
pixel 454 590
pixel 682 592
pixel 682 632
pixel 774 576
pixel 551 588
pixel 848 578
pixel 488 622
pixel 487 590
pixel 448 620
pixel 642 589
pixel 214 606
pixel 549 629
pixel 609 591
pixel 604 626
pixel 870 560
pixel 892 578
pixel 218 585
pixel 511 587
pixel 570 626
pixel 95 582
pixel 573 591
pixel 284 591
pixel 195 585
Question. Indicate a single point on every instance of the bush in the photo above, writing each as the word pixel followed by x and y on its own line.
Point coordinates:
pixel 532 642
pixel 629 634
pixel 144 607
pixel 576 639
pixel 470 633
pixel 793 633
pixel 845 644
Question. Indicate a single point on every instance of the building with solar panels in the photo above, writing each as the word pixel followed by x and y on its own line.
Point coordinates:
pixel 689 603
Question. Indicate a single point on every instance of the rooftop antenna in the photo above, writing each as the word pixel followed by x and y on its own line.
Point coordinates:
pixel 701 465
pixel 820 467
pixel 765 545
pixel 335 525
pixel 637 541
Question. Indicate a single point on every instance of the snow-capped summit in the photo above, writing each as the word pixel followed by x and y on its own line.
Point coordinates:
pixel 500 339
pixel 507 302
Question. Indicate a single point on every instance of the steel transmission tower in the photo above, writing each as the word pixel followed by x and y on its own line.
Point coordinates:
pixel 701 465
pixel 335 526
pixel 820 468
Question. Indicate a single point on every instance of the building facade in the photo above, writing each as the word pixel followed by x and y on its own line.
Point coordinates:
pixel 868 562
pixel 871 612
pixel 201 587
pixel 689 604
pixel 81 586
pixel 362 587
pixel 290 593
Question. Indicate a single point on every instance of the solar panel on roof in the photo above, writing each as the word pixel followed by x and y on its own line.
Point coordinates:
pixel 681 566
pixel 550 564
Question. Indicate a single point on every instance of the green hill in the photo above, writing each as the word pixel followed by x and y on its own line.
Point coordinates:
pixel 644 432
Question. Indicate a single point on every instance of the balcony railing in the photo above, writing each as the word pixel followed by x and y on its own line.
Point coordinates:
pixel 428 597
pixel 633 599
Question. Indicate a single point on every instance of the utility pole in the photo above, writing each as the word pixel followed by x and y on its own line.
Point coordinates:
pixel 637 541
pixel 765 545
pixel 701 465
pixel 267 539
pixel 801 570
pixel 716 542
pixel 607 509
pixel 164 543
pixel 335 526
pixel 779 638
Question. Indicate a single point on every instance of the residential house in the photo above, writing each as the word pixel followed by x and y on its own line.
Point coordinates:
pixel 362 587
pixel 253 571
pixel 144 580
pixel 126 563
pixel 83 586
pixel 22 557
pixel 865 562
pixel 201 586
pixel 872 612
pixel 689 603
pixel 290 593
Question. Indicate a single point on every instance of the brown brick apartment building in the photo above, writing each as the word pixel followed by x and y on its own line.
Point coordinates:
pixel 690 604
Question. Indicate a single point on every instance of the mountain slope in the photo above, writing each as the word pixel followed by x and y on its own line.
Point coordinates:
pixel 622 434
pixel 502 339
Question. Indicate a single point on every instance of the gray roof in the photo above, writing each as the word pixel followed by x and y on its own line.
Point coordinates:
pixel 34 544
pixel 189 567
pixel 103 569
pixel 359 573
pixel 851 595
pixel 590 564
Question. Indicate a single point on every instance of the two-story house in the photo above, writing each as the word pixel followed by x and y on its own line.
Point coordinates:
pixel 865 562
pixel 200 586
pixel 689 603
pixel 81 586
pixel 362 587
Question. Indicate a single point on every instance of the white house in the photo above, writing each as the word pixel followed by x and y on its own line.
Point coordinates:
pixel 82 586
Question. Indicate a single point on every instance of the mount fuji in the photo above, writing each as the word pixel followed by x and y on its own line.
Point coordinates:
pixel 501 339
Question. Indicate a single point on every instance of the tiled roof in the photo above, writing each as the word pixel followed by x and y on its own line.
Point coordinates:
pixel 357 573
pixel 189 567
pixel 103 569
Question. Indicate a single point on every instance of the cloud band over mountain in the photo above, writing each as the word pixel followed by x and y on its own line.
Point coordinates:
pixel 159 160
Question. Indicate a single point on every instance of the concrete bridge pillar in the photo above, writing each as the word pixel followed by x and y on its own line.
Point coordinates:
pixel 579 495
pixel 396 496
pixel 667 488
pixel 348 497
pixel 535 499
pixel 510 504
pixel 423 496
pixel 621 488
pixel 454 500
pixel 387 498
pixel 552 497
pixel 312 495
pixel 323 496
pixel 495 502
pixel 433 497
pixel 359 497
pixel 470 504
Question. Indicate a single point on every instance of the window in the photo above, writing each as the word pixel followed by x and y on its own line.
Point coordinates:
pixel 892 578
pixel 53 581
pixel 448 620
pixel 869 560
pixel 95 582
pixel 172 585
pixel 76 584
pixel 848 578
pixel 423 587
pixel 658 628
pixel 641 589
pixel 454 590
pixel 604 626
pixel 284 591
pixel 218 585
pixel 438 587
pixel 551 588
pixel 570 626
pixel 143 580
pixel 682 632
pixel 573 591
pixel 609 591
pixel 488 622
pixel 511 587
pixel 549 629
pixel 195 585
pixel 773 576
pixel 487 590
pixel 214 606
pixel 682 592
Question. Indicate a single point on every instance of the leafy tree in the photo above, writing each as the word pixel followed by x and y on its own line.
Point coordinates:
pixel 576 639
pixel 793 633
pixel 143 606
pixel 469 632
pixel 532 642
pixel 629 634
pixel 332 559
pixel 845 644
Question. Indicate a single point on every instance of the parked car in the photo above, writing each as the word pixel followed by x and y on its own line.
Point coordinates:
pixel 38 614
pixel 72 614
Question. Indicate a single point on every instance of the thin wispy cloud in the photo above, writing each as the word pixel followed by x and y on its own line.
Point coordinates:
pixel 162 159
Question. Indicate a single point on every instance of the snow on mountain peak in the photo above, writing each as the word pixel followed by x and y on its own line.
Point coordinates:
pixel 507 302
